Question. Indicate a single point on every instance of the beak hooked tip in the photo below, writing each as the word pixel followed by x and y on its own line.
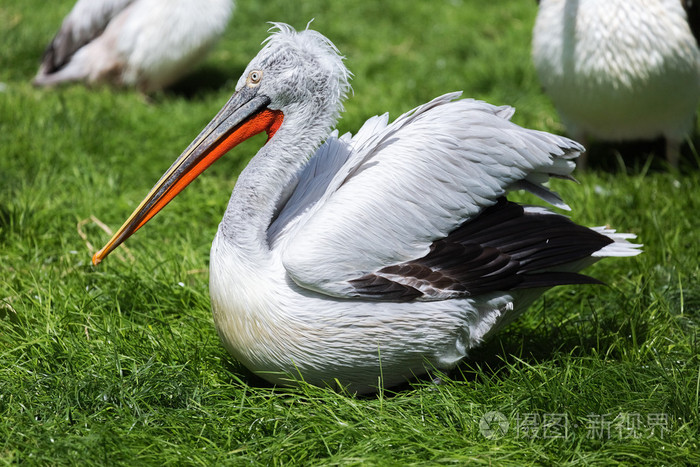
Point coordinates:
pixel 97 258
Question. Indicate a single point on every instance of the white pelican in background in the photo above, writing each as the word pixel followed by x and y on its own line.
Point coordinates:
pixel 619 69
pixel 147 44
pixel 379 254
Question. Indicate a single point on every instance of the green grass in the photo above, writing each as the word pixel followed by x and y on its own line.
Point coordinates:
pixel 121 364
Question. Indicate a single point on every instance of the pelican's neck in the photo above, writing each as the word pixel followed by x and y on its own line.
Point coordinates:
pixel 267 181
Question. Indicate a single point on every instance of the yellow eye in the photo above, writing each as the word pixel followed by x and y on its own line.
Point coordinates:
pixel 254 78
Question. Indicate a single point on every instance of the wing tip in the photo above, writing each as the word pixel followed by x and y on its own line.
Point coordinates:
pixel 620 245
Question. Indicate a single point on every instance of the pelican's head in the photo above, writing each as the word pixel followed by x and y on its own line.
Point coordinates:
pixel 298 77
pixel 301 73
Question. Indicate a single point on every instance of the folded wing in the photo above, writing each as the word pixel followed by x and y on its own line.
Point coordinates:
pixel 392 193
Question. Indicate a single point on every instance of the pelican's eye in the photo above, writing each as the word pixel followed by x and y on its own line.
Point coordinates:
pixel 254 78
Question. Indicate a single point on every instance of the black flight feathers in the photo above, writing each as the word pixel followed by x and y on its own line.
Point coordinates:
pixel 504 248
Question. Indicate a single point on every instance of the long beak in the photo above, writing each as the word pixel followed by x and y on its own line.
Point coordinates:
pixel 244 115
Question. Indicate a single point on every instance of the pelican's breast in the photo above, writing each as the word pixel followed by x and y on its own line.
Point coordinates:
pixel 247 307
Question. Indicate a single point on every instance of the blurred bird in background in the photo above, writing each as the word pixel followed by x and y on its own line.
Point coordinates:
pixel 620 70
pixel 146 44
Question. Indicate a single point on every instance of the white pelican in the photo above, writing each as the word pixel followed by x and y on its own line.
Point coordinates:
pixel 620 70
pixel 380 254
pixel 147 44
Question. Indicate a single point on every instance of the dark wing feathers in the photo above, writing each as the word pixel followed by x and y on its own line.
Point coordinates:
pixel 506 247
pixel 61 49
pixel 86 21
pixel 373 286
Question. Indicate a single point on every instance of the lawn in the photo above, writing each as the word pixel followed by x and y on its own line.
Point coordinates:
pixel 121 364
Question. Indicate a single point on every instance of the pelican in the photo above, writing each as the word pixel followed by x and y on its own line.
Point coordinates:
pixel 620 70
pixel 147 44
pixel 364 260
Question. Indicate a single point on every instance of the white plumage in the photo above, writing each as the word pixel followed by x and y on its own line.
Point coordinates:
pixel 147 44
pixel 619 70
pixel 386 252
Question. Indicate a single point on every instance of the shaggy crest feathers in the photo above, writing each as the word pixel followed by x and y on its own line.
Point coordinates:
pixel 324 75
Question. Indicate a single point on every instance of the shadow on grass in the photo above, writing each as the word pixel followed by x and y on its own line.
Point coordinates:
pixel 237 372
pixel 204 80
pixel 607 336
pixel 633 157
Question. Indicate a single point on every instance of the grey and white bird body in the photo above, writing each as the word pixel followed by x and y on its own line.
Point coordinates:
pixel 619 70
pixel 380 254
pixel 147 44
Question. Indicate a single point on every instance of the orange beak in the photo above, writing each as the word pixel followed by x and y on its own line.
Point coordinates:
pixel 244 115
